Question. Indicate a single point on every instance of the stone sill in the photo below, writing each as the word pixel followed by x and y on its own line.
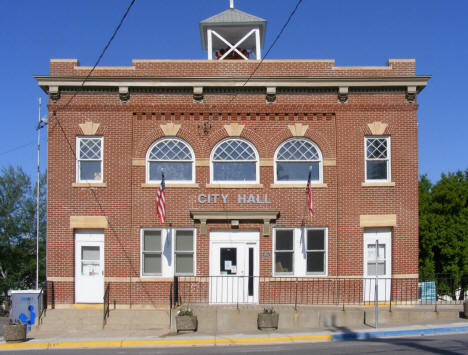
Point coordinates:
pixel 89 184
pixel 297 186
pixel 377 184
pixel 234 186
pixel 171 185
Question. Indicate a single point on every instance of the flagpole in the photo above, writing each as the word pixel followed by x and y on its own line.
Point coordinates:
pixel 306 200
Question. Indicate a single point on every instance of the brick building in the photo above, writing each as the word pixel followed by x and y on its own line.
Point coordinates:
pixel 236 149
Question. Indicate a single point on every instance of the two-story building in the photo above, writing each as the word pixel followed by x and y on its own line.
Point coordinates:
pixel 236 138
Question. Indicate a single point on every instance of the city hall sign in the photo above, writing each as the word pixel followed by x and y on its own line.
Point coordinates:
pixel 255 199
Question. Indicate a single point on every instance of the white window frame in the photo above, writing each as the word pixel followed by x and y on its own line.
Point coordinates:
pixel 325 250
pixel 299 258
pixel 319 181
pixel 388 160
pixel 147 161
pixel 79 160
pixel 257 169
pixel 142 252
pixel 168 268
pixel 185 252
pixel 284 251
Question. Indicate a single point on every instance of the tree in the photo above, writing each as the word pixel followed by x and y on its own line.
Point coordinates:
pixel 18 230
pixel 443 228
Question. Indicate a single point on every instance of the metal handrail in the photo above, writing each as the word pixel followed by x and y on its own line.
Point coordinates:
pixel 106 305
pixel 42 294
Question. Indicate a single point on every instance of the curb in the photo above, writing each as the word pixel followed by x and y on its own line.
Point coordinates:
pixel 233 341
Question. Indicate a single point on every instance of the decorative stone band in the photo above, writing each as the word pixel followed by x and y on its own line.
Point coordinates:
pixel 89 184
pixel 297 186
pixel 85 222
pixel 156 185
pixel 206 162
pixel 241 215
pixel 378 220
pixel 377 184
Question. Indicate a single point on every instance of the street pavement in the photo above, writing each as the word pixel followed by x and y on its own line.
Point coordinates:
pixel 123 341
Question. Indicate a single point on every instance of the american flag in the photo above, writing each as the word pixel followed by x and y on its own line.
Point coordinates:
pixel 309 194
pixel 161 200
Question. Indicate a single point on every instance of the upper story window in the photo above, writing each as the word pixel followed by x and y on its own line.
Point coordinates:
pixel 234 160
pixel 173 155
pixel 294 158
pixel 377 158
pixel 89 159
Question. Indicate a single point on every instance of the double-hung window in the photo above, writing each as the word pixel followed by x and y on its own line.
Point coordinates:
pixel 293 160
pixel 234 160
pixel 316 251
pixel 300 252
pixel 184 252
pixel 151 252
pixel 89 159
pixel 284 251
pixel 175 156
pixel 377 159
pixel 167 252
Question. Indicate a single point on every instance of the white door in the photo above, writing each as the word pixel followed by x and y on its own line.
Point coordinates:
pixel 377 260
pixel 89 266
pixel 234 267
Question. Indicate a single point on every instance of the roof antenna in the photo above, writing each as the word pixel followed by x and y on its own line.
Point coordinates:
pixel 231 4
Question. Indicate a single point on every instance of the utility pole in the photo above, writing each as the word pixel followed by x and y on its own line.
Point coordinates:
pixel 41 123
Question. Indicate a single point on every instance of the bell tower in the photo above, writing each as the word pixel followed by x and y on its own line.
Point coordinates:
pixel 233 34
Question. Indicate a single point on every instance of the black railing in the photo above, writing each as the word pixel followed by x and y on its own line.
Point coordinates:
pixel 42 301
pixel 106 304
pixel 312 290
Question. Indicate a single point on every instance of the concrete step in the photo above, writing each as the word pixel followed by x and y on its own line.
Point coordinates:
pixel 121 319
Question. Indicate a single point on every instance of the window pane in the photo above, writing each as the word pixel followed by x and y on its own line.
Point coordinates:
pixel 152 264
pixel 228 259
pixel 172 171
pixel 90 253
pixel 376 170
pixel 297 171
pixel 316 261
pixel 234 171
pixel 90 148
pixel 284 240
pixel 377 148
pixel 90 170
pixel 184 240
pixel 371 252
pixel 315 240
pixel 284 262
pixel 152 241
pixel 184 263
pixel 371 268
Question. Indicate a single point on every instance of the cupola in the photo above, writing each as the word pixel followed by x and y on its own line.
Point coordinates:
pixel 233 34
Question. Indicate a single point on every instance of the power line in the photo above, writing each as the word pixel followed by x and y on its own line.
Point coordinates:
pixel 269 49
pixel 17 148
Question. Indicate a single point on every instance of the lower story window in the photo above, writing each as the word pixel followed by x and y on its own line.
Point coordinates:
pixel 167 251
pixel 300 251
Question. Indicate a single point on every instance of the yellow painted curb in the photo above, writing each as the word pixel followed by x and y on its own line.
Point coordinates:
pixel 180 342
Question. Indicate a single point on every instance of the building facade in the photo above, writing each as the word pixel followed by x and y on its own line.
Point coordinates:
pixel 236 150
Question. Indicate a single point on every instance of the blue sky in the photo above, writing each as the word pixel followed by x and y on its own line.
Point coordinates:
pixel 359 32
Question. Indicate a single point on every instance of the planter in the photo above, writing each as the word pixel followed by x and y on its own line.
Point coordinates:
pixel 267 320
pixel 184 323
pixel 14 332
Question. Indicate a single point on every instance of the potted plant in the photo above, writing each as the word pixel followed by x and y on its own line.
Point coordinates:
pixel 268 319
pixel 14 332
pixel 185 320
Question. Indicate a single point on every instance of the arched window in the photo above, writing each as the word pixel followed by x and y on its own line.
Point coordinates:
pixel 293 159
pixel 234 160
pixel 175 156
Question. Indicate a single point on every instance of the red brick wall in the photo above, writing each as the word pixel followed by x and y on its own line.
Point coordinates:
pixel 130 128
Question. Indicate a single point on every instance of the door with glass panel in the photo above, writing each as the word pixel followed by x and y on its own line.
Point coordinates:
pixel 234 267
pixel 377 262
pixel 89 266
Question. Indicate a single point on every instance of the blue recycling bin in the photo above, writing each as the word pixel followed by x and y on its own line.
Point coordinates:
pixel 26 305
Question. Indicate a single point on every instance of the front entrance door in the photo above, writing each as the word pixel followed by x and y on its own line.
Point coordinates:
pixel 377 260
pixel 234 267
pixel 89 266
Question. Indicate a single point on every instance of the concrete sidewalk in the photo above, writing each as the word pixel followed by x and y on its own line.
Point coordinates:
pixel 123 340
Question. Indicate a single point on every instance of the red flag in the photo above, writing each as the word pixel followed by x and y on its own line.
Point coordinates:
pixel 309 194
pixel 161 200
